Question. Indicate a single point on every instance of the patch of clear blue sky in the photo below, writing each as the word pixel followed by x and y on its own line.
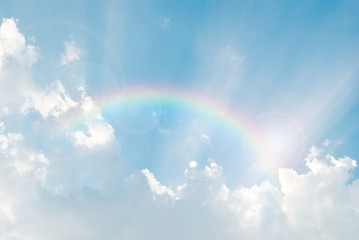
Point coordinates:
pixel 295 52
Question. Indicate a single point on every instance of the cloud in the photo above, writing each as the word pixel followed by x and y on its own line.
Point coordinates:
pixel 53 101
pixel 98 131
pixel 318 204
pixel 13 45
pixel 22 171
pixel 16 84
pixel 72 53
pixel 155 186
pixel 19 159
pixel 16 59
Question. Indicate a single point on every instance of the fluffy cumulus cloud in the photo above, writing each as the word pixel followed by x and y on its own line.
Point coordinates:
pixel 13 45
pixel 318 204
pixel 98 132
pixel 16 57
pixel 52 101
pixel 322 203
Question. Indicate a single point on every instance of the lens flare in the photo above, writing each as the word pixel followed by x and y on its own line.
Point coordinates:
pixel 279 136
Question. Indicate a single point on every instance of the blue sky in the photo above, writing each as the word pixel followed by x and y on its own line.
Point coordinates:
pixel 252 133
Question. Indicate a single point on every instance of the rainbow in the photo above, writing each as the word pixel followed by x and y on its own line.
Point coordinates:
pixel 211 107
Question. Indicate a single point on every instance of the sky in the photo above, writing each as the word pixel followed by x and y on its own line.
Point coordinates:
pixel 179 119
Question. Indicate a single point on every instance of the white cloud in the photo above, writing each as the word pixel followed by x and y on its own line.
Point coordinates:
pixel 98 131
pixel 16 58
pixel 13 45
pixel 155 186
pixel 22 171
pixel 72 53
pixel 193 164
pixel 53 101
pixel 22 161
pixel 319 204
pixel 17 87
pixel 87 103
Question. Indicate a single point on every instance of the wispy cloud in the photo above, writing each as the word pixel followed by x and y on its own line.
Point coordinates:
pixel 165 23
pixel 72 53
